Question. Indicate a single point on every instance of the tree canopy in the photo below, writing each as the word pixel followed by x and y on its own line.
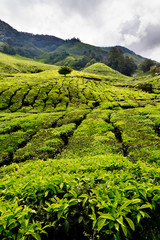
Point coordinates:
pixel 146 65
pixel 64 70
pixel 121 63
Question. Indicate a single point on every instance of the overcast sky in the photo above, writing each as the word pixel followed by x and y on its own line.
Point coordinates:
pixel 134 24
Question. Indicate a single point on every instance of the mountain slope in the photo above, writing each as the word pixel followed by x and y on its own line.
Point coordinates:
pixel 55 50
pixel 127 52
pixel 22 38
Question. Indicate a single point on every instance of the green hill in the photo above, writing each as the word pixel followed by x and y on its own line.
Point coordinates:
pixel 53 50
pixel 27 44
pixel 79 154
pixel 104 70
pixel 17 64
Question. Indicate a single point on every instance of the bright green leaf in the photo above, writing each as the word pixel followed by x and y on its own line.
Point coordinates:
pixel 116 225
pixel 146 206
pixel 131 224
pixel 124 229
pixel 138 217
pixel 120 220
pixel 107 216
pixel 101 223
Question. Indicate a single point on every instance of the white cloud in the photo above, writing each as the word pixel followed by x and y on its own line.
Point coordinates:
pixel 131 23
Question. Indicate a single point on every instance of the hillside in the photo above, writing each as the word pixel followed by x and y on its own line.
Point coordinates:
pixel 53 50
pixel 126 52
pixel 23 42
pixel 79 155
pixel 105 71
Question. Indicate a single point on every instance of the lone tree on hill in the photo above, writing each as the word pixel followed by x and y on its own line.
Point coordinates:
pixel 65 70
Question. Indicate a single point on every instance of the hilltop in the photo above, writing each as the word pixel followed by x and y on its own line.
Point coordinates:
pixel 79 155
pixel 53 50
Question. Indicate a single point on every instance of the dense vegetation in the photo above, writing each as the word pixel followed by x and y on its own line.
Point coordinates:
pixel 64 70
pixel 79 155
pixel 117 61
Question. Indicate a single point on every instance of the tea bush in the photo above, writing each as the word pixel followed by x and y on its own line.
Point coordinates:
pixel 79 155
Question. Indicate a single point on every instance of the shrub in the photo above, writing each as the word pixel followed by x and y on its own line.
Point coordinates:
pixel 147 87
pixel 65 70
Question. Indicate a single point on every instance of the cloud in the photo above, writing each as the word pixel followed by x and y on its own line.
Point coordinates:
pixel 83 7
pixel 131 27
pixel 134 24
pixel 151 38
pixel 149 43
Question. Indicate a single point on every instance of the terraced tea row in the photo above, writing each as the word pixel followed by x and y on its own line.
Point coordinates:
pixel 56 94
pixel 66 100
pixel 131 132
pixel 82 156
pixel 76 132
pixel 27 136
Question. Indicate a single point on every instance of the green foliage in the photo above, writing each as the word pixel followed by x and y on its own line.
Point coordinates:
pixel 16 64
pixel 102 69
pixel 57 56
pixel 70 52
pixel 117 61
pixel 79 155
pixel 65 70
pixel 147 87
pixel 146 65
pixel 155 69
pixel 8 49
pixel 104 195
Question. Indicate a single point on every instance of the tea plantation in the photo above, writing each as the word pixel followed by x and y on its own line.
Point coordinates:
pixel 79 154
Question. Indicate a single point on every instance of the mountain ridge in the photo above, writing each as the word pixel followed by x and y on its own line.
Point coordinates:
pixel 54 50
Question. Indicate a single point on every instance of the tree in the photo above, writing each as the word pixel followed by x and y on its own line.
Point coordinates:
pixel 146 64
pixel 64 70
pixel 130 66
pixel 155 69
pixel 10 42
pixel 117 61
pixel 115 58
pixel 8 50
pixel 80 63
pixel 57 56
